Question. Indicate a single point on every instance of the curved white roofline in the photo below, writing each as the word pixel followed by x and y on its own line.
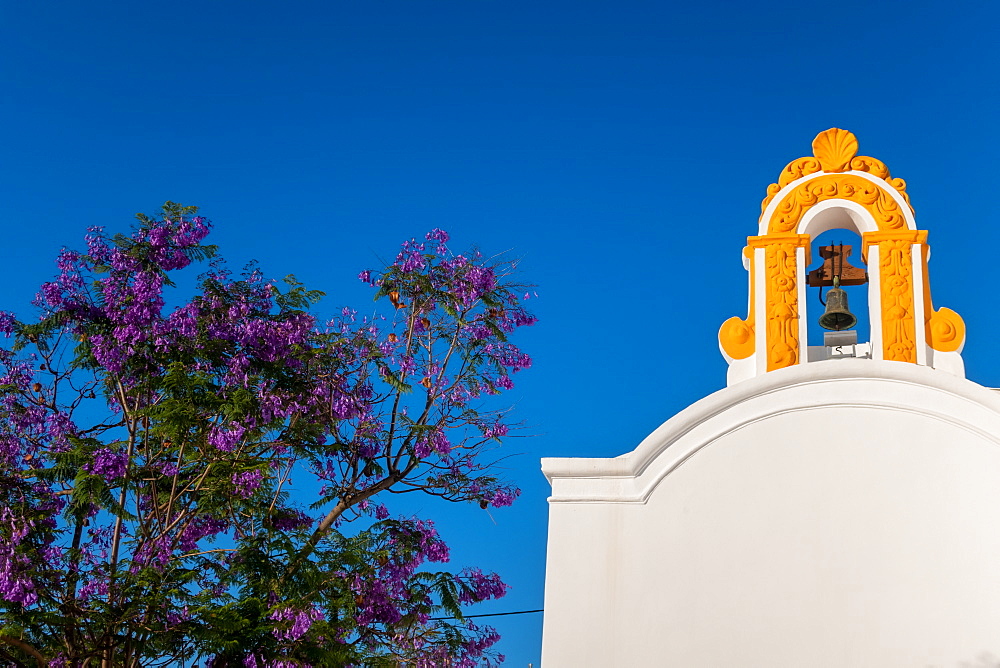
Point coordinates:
pixel 872 384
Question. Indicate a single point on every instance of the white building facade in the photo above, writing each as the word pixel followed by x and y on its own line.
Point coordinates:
pixel 821 510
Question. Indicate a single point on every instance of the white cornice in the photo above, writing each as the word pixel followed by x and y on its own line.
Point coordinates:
pixel 857 383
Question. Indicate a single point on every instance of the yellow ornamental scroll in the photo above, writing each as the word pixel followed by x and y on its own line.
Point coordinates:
pixel 736 336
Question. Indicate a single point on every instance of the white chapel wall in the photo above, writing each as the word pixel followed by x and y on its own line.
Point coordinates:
pixel 839 513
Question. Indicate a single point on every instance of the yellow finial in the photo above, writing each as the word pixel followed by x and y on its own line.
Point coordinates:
pixel 834 149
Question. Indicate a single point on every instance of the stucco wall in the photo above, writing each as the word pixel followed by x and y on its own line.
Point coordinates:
pixel 842 513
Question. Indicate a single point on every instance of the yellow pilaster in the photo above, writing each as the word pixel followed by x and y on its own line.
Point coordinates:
pixel 896 289
pixel 781 295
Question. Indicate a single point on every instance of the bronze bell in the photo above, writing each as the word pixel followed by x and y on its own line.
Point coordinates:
pixel 837 315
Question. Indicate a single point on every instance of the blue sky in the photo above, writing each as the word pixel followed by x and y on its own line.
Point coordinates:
pixel 621 149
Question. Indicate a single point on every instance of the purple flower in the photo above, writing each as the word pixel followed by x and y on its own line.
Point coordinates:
pixel 96 586
pixel 437 235
pixel 110 465
pixel 434 441
pixel 7 322
pixel 247 482
pixel 495 430
pixel 168 468
pixel 301 621
pixel 225 439
pixel 481 586
pixel 155 554
pixel 16 585
pixel 203 526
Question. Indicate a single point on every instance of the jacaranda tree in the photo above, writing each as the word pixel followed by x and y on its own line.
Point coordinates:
pixel 148 445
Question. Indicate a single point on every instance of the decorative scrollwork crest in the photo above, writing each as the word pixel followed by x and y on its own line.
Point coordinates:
pixel 879 203
pixel 834 151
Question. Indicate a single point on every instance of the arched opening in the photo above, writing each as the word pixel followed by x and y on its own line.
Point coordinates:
pixel 857 295
pixel 837 223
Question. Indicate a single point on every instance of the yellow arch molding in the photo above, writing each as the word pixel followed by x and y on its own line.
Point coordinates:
pixel 851 187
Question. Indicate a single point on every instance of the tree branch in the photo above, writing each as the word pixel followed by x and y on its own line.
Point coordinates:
pixel 25 647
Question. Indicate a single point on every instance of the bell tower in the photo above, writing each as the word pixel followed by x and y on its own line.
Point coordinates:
pixel 824 509
pixel 836 188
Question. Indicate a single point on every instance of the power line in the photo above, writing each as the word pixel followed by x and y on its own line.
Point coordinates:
pixel 493 614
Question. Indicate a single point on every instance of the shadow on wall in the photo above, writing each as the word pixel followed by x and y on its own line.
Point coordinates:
pixel 984 660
